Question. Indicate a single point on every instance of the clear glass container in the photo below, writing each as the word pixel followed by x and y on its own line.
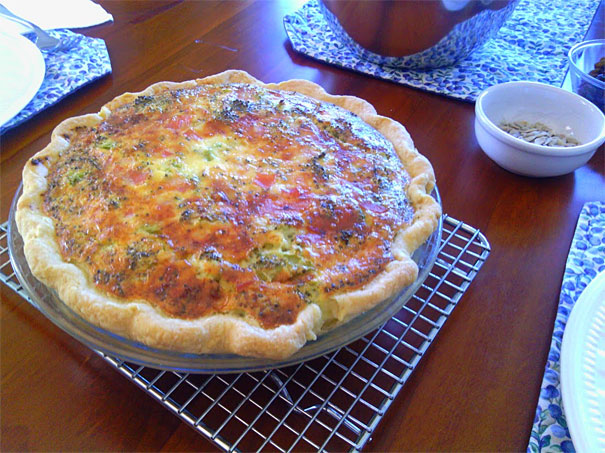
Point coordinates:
pixel 47 301
pixel 583 58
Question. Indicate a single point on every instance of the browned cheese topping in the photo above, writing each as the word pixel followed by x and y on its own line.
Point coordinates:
pixel 228 199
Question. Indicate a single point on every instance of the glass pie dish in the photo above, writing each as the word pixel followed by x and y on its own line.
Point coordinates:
pixel 47 301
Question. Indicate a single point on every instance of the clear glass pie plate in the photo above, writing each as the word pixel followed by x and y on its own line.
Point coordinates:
pixel 48 302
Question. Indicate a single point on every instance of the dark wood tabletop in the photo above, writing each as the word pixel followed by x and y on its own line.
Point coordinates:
pixel 477 387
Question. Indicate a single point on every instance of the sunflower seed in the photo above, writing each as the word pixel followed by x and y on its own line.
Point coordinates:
pixel 537 133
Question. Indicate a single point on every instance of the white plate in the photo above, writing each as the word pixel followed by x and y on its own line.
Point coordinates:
pixel 22 71
pixel 583 368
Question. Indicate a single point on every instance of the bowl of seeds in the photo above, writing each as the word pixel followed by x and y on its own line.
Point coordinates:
pixel 539 130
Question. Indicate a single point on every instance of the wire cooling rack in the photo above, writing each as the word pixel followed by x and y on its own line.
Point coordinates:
pixel 332 403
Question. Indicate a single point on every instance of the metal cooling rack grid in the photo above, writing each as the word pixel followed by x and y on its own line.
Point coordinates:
pixel 332 403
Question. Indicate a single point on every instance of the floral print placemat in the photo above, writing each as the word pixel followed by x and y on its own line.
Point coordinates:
pixel 586 259
pixel 66 71
pixel 531 45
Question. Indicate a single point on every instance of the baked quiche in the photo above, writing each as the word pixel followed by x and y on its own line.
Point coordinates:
pixel 226 215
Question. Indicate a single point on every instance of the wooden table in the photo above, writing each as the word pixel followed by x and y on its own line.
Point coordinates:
pixel 477 387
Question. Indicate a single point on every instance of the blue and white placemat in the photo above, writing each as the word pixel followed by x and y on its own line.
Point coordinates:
pixel 585 260
pixel 531 45
pixel 66 71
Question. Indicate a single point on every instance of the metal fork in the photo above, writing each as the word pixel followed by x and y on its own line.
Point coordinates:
pixel 44 41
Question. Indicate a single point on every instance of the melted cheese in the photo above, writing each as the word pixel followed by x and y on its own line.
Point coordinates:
pixel 228 199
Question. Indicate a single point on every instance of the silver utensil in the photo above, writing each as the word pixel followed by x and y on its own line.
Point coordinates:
pixel 44 41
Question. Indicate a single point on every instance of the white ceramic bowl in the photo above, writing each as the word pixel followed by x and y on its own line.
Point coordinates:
pixel 563 111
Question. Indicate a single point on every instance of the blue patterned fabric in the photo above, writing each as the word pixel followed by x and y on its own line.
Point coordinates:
pixel 531 45
pixel 460 41
pixel 586 259
pixel 66 71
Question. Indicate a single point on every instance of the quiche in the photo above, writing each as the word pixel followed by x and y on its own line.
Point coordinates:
pixel 226 215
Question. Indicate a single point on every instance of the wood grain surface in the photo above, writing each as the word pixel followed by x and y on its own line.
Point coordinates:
pixel 477 387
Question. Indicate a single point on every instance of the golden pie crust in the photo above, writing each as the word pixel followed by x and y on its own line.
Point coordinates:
pixel 241 330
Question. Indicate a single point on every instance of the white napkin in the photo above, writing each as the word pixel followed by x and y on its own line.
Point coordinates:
pixel 50 14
